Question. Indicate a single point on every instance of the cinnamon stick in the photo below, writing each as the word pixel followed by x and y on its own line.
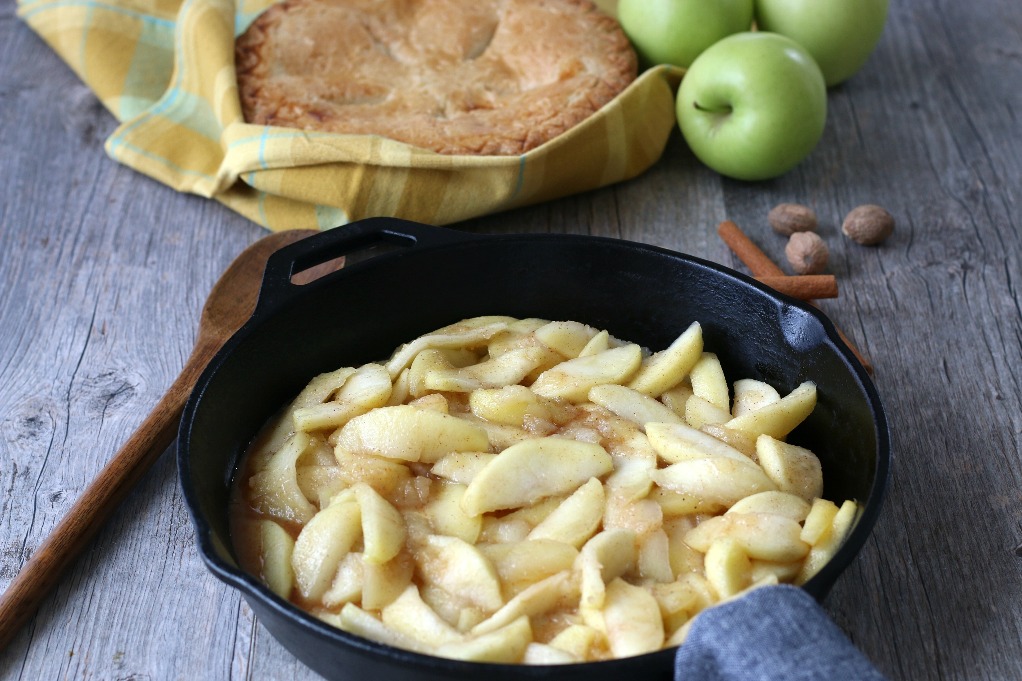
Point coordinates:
pixel 804 286
pixel 760 264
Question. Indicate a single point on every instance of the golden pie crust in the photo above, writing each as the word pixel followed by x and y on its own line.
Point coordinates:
pixel 489 77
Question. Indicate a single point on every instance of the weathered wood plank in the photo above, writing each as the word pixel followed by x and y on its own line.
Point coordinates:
pixel 104 273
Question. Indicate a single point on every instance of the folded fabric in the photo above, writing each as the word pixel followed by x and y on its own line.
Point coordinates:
pixel 165 69
pixel 773 633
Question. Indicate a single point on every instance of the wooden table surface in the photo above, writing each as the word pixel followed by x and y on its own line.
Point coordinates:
pixel 103 273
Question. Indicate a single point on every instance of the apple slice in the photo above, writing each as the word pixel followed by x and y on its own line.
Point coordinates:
pixel 431 370
pixel 468 333
pixel 601 342
pixel 683 598
pixel 751 394
pixel 275 550
pixel 321 545
pixel 631 479
pixel 531 470
pixel 524 563
pixel 572 379
pixel 518 334
pixel 708 382
pixel 675 398
pixel 818 521
pixel 383 528
pixel 793 469
pixel 369 387
pixel 700 412
pixel 769 569
pixel 533 600
pixel 511 367
pixel 506 645
pixel 684 559
pixel 606 556
pixel 321 387
pixel 763 536
pixel 576 640
pixel 460 569
pixel 728 568
pixel 408 433
pixel 776 502
pixel 318 390
pixel 510 405
pixel 355 620
pixel 577 518
pixel 543 654
pixel 461 467
pixel 675 442
pixel 631 404
pixel 387 476
pixel 433 401
pixel 633 620
pixel 663 370
pixel 829 542
pixel 320 484
pixel 779 418
pixel 383 582
pixel 654 562
pixel 275 490
pixel 567 338
pixel 346 586
pixel 743 442
pixel 400 392
pixel 447 517
pixel 717 481
pixel 408 614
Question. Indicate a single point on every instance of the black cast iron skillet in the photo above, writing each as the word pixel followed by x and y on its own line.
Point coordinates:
pixel 433 277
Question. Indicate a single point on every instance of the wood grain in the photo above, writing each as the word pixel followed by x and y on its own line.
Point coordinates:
pixel 229 305
pixel 103 274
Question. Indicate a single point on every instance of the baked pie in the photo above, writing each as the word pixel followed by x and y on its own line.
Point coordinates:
pixel 486 77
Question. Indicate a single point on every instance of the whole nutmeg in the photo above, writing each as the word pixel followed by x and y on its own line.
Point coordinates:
pixel 868 225
pixel 788 218
pixel 806 252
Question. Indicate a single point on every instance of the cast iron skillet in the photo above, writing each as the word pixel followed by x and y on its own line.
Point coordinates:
pixel 433 277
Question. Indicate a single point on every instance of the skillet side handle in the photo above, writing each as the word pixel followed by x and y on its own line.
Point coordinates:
pixel 277 285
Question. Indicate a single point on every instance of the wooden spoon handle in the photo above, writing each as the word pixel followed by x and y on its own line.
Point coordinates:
pixel 89 513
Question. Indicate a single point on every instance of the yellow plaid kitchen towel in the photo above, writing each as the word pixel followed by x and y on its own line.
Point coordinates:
pixel 165 69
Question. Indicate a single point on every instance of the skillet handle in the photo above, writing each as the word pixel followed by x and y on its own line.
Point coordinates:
pixel 331 244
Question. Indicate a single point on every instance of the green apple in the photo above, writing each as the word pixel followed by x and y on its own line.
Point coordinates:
pixel 676 31
pixel 753 105
pixel 840 34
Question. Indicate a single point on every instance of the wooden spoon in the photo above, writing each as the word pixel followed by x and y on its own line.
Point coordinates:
pixel 229 305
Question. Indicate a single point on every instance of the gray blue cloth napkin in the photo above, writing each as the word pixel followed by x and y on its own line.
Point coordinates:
pixel 773 633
